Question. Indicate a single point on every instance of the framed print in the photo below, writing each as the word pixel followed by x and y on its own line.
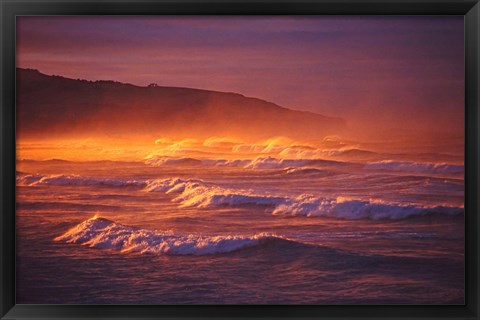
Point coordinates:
pixel 247 159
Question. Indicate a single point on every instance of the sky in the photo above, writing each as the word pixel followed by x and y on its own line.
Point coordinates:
pixel 376 71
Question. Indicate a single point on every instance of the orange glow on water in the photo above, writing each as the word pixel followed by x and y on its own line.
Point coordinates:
pixel 228 148
pixel 212 148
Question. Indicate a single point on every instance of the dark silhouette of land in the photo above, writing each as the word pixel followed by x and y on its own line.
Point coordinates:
pixel 55 106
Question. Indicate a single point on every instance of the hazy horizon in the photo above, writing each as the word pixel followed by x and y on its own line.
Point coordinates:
pixel 383 74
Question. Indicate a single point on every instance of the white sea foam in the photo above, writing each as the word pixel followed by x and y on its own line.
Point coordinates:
pixel 311 206
pixel 200 194
pixel 228 163
pixel 274 163
pixel 210 196
pixel 61 180
pixel 161 161
pixel 28 179
pixel 169 185
pixel 304 171
pixel 257 163
pixel 106 234
pixel 415 167
pixel 302 153
pixel 261 162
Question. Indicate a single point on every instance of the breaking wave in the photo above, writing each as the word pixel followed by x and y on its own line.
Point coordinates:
pixel 200 194
pixel 275 163
pixel 257 163
pixel 106 234
pixel 311 206
pixel 61 180
pixel 197 193
pixel 416 167
pixel 158 161
pixel 304 171
pixel 268 162
pixel 302 153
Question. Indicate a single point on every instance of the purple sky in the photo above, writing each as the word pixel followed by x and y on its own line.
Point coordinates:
pixel 390 69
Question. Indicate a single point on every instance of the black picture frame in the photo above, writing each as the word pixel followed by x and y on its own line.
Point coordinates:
pixel 11 8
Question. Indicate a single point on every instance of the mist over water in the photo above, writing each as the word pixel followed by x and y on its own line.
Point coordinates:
pixel 290 160
pixel 161 195
pixel 206 226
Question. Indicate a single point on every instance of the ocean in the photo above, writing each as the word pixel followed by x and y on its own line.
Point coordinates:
pixel 260 230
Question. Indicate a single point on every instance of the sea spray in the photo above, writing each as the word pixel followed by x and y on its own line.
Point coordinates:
pixel 106 234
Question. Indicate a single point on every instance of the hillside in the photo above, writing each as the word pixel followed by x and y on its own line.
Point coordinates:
pixel 54 106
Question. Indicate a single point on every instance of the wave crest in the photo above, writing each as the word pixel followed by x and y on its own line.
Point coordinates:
pixel 311 206
pixel 302 171
pixel 62 180
pixel 106 234
pixel 161 161
pixel 419 167
pixel 200 194
pixel 275 163
pixel 260 162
